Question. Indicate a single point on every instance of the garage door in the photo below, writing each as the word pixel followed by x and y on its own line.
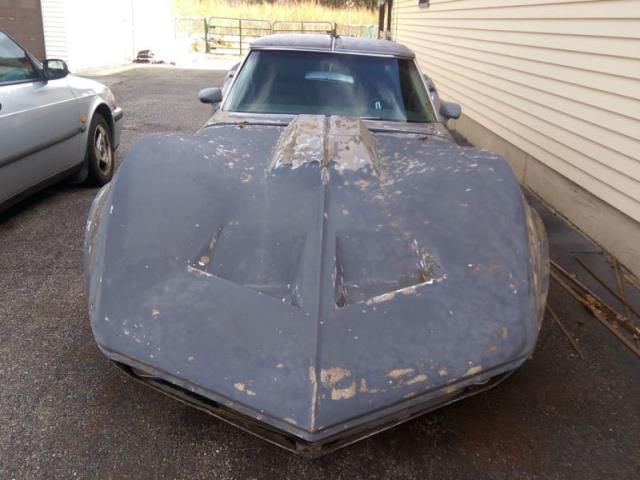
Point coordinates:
pixel 89 33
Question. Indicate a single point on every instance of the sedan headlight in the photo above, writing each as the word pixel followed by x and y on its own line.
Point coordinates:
pixel 111 99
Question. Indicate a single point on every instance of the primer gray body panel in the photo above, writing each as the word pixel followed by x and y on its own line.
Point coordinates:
pixel 312 295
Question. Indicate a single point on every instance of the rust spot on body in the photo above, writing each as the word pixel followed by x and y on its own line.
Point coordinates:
pixel 473 370
pixel 314 395
pixel 451 389
pixel 399 372
pixel 364 388
pixel 330 377
pixel 385 297
pixel 344 393
pixel 409 290
pixel 362 184
pixel 244 389
pixel 418 379
pixel 344 141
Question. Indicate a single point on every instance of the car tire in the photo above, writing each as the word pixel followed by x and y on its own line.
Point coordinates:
pixel 100 152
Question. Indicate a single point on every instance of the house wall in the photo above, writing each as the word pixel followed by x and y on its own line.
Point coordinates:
pixel 554 86
pixel 55 28
pixel 22 20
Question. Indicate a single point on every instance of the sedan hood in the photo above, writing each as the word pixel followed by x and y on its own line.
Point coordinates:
pixel 85 86
pixel 310 274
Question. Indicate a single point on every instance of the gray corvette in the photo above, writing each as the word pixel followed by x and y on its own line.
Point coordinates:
pixel 52 125
pixel 321 261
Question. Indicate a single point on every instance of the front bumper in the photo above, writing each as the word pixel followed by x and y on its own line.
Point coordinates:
pixel 117 115
pixel 318 443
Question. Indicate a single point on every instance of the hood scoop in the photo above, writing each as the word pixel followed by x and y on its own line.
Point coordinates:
pixel 265 261
pixel 342 142
pixel 374 268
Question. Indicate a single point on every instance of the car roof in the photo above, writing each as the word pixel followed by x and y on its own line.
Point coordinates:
pixel 330 43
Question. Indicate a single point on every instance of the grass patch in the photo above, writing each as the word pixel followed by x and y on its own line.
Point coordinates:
pixel 304 10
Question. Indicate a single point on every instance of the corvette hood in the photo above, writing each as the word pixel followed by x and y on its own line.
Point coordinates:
pixel 310 274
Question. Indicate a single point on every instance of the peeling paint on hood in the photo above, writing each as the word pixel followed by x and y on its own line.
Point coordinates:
pixel 345 141
pixel 308 300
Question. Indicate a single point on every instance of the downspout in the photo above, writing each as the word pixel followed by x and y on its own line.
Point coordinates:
pixel 381 4
pixel 389 10
pixel 133 30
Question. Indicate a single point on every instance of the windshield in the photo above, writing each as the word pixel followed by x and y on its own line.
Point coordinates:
pixel 292 82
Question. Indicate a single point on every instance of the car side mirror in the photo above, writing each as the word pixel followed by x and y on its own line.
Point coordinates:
pixel 450 110
pixel 55 69
pixel 210 95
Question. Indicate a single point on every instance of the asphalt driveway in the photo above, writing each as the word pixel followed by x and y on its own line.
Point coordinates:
pixel 65 412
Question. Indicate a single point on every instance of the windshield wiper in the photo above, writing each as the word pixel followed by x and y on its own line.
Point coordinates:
pixel 380 119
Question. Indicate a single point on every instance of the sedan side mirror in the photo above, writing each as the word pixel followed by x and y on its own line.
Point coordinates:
pixel 55 69
pixel 210 95
pixel 450 110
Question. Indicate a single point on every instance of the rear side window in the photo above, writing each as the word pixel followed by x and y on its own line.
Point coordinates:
pixel 15 66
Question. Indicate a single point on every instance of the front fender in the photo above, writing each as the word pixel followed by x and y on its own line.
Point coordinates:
pixel 538 245
pixel 95 97
pixel 97 220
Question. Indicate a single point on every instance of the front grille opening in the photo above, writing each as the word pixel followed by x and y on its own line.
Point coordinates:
pixel 212 407
pixel 291 442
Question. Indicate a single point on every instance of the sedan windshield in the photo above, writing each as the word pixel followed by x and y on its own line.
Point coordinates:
pixel 290 82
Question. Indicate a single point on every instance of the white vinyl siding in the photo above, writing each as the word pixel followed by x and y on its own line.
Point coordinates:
pixel 96 33
pixel 558 79
pixel 55 28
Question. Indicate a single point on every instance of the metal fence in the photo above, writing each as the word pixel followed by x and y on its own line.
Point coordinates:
pixel 232 36
pixel 301 27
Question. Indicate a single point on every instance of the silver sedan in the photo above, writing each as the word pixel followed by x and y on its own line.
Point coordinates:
pixel 53 125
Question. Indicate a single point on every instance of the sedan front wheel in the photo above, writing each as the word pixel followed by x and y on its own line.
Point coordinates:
pixel 100 154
